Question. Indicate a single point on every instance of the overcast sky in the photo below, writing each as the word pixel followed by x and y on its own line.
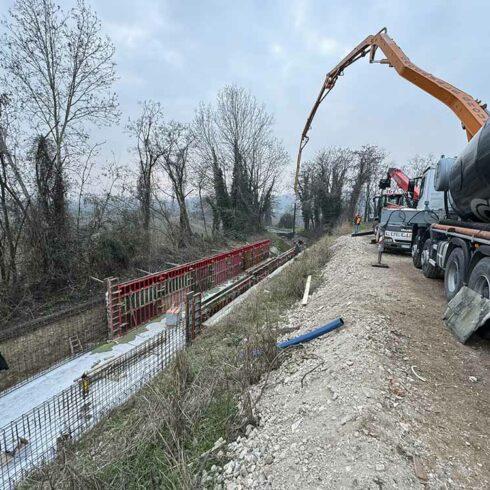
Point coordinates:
pixel 182 52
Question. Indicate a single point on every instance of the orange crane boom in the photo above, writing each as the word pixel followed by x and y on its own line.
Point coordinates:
pixel 469 111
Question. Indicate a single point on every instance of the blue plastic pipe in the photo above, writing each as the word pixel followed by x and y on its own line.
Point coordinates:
pixel 301 339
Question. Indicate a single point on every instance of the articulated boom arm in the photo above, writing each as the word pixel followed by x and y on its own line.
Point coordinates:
pixel 469 111
pixel 402 181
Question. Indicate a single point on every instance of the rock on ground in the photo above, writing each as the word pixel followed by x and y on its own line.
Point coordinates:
pixel 350 410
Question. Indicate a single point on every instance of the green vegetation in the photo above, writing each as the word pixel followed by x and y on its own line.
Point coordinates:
pixel 163 436
pixel 286 220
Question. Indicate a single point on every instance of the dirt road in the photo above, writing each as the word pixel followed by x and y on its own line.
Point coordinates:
pixel 391 400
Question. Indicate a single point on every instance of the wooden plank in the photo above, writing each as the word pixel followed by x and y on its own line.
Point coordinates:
pixel 304 302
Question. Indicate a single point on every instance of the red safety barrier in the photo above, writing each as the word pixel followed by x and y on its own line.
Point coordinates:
pixel 134 302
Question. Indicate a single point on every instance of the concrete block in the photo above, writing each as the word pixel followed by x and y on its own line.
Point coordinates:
pixel 172 316
pixel 466 312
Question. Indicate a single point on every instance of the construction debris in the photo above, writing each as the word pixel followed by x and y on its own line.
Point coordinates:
pixel 466 313
pixel 304 302
pixel 317 332
pixel 363 233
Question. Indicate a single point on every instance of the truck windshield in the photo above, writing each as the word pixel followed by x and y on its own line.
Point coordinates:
pixel 392 217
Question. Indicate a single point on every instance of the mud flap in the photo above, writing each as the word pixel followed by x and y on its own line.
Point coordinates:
pixel 466 312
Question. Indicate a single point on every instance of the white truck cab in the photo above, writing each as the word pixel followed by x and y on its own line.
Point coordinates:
pixel 430 199
pixel 400 225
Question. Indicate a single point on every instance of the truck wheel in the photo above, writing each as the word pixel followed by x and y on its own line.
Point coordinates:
pixel 480 278
pixel 416 257
pixel 430 271
pixel 417 254
pixel 454 273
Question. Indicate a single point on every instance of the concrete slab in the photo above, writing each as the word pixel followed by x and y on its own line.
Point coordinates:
pixel 466 312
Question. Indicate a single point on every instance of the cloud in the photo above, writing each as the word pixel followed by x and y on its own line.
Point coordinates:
pixel 300 11
pixel 151 31
pixel 136 38
pixel 170 56
pixel 128 35
pixel 325 45
pixel 313 40
pixel 276 49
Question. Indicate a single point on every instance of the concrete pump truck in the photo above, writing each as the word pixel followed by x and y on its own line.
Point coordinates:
pixel 453 240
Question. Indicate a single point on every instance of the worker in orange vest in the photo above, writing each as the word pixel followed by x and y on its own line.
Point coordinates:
pixel 357 222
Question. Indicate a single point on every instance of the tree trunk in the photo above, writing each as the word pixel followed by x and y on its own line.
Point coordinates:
pixel 185 226
pixel 9 265
pixel 202 211
pixel 354 199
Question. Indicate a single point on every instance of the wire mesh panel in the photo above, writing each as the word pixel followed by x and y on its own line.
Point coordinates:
pixel 216 302
pixel 134 302
pixel 37 346
pixel 36 437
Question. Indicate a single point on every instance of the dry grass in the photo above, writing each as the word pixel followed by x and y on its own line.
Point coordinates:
pixel 164 436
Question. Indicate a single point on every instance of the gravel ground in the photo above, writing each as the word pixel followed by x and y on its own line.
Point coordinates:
pixel 390 400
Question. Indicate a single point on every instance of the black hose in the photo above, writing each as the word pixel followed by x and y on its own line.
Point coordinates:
pixel 389 217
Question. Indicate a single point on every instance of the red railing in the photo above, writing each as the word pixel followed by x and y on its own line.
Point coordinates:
pixel 213 304
pixel 134 302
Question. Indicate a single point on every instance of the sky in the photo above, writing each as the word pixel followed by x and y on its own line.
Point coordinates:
pixel 182 52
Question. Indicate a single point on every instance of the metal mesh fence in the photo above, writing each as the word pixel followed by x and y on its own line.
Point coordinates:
pixel 34 438
pixel 38 346
pixel 134 302
pixel 213 304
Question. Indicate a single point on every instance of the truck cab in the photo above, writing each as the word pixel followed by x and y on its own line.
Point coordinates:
pixel 430 199
pixel 407 227
pixel 397 235
pixel 430 209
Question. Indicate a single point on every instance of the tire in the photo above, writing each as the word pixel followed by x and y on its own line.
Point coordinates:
pixel 417 250
pixel 430 271
pixel 416 257
pixel 417 253
pixel 454 273
pixel 480 278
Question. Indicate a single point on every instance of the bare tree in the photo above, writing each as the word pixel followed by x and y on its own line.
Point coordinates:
pixel 148 129
pixel 212 167
pixel 15 200
pixel 244 158
pixel 176 142
pixel 371 188
pixel 416 166
pixel 198 181
pixel 321 186
pixel 305 192
pixel 60 68
pixel 367 160
pixel 83 179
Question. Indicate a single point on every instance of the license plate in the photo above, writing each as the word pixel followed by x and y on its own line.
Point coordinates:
pixel 398 234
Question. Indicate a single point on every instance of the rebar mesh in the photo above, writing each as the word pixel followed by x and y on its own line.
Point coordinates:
pixel 35 438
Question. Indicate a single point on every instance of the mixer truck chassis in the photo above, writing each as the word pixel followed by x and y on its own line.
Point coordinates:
pixel 458 251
